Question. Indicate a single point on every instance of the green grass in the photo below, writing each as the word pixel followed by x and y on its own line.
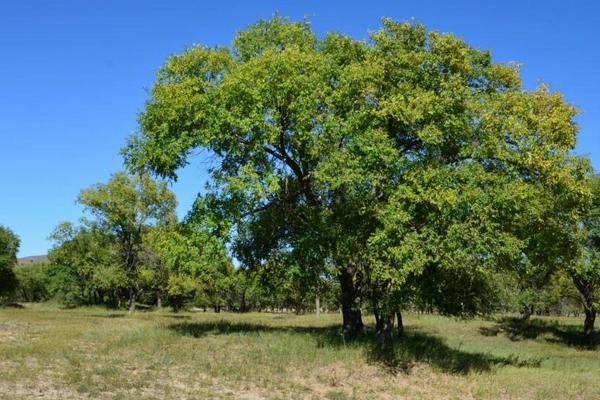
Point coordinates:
pixel 94 353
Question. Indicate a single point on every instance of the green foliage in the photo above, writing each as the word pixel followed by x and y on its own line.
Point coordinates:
pixel 124 207
pixel 586 272
pixel 9 246
pixel 410 163
pixel 555 295
pixel 84 263
pixel 195 262
pixel 99 261
pixel 135 249
pixel 33 282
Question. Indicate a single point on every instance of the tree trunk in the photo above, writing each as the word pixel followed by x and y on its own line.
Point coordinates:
pixel 318 305
pixel 526 312
pixel 386 333
pixel 243 307
pixel 351 314
pixel 588 325
pixel 131 300
pixel 158 299
pixel 400 323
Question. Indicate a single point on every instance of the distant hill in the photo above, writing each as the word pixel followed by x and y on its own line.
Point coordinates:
pixel 32 259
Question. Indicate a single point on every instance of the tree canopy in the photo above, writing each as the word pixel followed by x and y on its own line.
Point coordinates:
pixel 407 153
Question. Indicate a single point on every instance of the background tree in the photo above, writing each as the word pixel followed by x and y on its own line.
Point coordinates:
pixel 84 266
pixel 154 273
pixel 33 282
pixel 124 207
pixel 9 246
pixel 195 264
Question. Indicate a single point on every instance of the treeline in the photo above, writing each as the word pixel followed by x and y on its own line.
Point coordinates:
pixel 404 171
pixel 241 292
pixel 264 291
pixel 178 265
pixel 134 252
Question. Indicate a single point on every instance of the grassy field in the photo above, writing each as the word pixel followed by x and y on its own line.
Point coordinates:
pixel 48 353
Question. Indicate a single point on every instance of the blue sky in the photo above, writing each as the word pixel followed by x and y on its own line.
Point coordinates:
pixel 74 74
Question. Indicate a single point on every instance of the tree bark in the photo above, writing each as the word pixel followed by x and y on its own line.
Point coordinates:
pixel 400 328
pixel 351 314
pixel 588 325
pixel 158 299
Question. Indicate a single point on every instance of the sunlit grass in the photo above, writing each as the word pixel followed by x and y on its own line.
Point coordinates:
pixel 95 353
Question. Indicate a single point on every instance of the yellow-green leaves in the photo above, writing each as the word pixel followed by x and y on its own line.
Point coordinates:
pixel 275 34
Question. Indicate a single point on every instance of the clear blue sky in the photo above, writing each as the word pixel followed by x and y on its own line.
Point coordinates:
pixel 74 74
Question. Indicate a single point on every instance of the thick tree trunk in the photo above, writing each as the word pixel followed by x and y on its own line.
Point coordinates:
pixel 588 325
pixel 131 300
pixel 400 328
pixel 351 314
pixel 586 290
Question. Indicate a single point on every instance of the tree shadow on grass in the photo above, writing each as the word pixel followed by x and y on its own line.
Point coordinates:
pixel 109 315
pixel 517 329
pixel 416 346
pixel 420 347
pixel 125 314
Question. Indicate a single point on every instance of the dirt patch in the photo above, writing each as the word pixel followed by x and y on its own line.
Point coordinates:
pixel 39 389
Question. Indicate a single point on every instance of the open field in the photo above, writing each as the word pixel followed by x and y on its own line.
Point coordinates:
pixel 47 353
